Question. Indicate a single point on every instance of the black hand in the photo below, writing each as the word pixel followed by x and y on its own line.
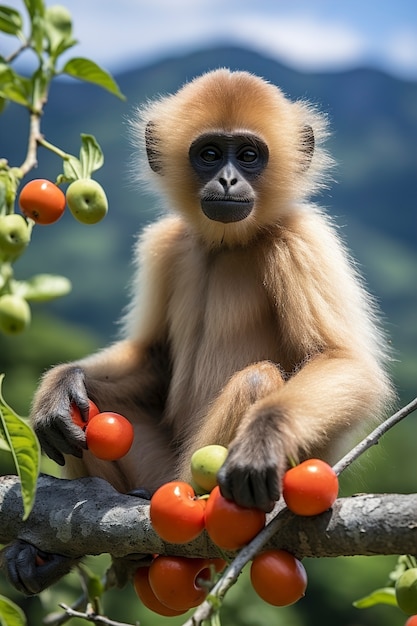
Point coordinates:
pixel 53 425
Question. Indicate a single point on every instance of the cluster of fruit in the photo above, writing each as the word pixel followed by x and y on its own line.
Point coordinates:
pixel 109 435
pixel 172 585
pixel 43 202
pixel 179 512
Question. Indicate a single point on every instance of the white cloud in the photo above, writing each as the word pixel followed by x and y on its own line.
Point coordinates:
pixel 401 52
pixel 303 41
pixel 306 35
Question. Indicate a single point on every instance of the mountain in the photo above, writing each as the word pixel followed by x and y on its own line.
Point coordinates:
pixel 373 118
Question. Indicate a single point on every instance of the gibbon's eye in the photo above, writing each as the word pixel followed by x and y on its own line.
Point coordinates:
pixel 247 155
pixel 210 154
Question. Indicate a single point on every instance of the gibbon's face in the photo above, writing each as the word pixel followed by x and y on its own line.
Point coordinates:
pixel 232 154
pixel 226 165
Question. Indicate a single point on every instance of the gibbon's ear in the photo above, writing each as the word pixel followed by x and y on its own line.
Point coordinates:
pixel 307 145
pixel 152 152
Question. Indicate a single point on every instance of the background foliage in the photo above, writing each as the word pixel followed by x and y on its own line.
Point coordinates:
pixel 374 121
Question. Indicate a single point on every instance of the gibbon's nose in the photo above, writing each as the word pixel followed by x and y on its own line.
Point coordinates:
pixel 227 178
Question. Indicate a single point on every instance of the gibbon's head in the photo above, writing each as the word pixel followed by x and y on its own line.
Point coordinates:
pixel 231 154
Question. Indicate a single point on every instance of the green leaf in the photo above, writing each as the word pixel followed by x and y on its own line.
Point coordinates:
pixel 42 287
pixel 40 85
pixel 15 93
pixel 385 595
pixel 58 28
pixel 38 33
pixel 72 168
pixel 93 583
pixel 12 85
pixel 87 70
pixel 65 45
pixel 91 155
pixel 4 446
pixel 11 614
pixel 25 450
pixel 35 7
pixel 11 21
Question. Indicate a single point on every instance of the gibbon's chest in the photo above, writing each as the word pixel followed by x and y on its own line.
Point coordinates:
pixel 220 317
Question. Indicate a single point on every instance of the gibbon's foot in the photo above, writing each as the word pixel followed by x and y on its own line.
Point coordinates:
pixel 31 570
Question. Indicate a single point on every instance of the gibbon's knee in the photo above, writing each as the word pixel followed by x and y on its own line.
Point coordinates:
pixel 244 388
pixel 257 380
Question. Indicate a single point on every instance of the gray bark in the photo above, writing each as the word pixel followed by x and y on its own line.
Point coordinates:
pixel 87 516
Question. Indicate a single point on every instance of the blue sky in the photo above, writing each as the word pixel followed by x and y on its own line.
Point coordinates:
pixel 313 35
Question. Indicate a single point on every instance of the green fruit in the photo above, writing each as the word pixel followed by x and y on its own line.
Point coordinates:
pixel 406 591
pixel 60 18
pixel 87 201
pixel 14 314
pixel 14 236
pixel 205 463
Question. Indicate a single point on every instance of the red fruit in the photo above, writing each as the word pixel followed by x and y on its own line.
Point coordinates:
pixel 147 596
pixel 76 415
pixel 42 201
pixel 177 515
pixel 109 436
pixel 278 577
pixel 229 525
pixel 175 580
pixel 412 621
pixel 310 488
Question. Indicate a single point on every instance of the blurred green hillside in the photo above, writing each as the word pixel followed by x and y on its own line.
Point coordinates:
pixel 373 119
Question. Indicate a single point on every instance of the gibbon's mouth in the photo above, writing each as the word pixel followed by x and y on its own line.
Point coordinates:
pixel 226 210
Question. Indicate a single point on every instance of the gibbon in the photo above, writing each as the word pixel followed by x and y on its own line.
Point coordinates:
pixel 248 324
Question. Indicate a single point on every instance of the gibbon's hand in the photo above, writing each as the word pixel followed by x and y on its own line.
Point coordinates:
pixel 51 416
pixel 31 570
pixel 251 475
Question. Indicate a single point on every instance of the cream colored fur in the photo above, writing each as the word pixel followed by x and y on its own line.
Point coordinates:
pixel 265 323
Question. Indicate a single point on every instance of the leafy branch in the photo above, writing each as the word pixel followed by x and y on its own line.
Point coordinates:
pixel 50 34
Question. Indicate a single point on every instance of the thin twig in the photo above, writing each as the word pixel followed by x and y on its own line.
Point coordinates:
pixel 93 617
pixel 25 45
pixel 230 576
pixel 374 437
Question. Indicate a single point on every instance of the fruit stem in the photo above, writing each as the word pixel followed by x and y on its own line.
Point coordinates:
pixel 50 146
pixel 6 275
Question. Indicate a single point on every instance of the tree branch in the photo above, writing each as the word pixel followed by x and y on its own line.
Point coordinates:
pixel 87 516
pixel 374 437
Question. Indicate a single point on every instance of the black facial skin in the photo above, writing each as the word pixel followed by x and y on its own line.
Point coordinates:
pixel 227 165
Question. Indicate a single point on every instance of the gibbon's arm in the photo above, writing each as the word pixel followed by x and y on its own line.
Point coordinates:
pixel 336 381
pixel 130 373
